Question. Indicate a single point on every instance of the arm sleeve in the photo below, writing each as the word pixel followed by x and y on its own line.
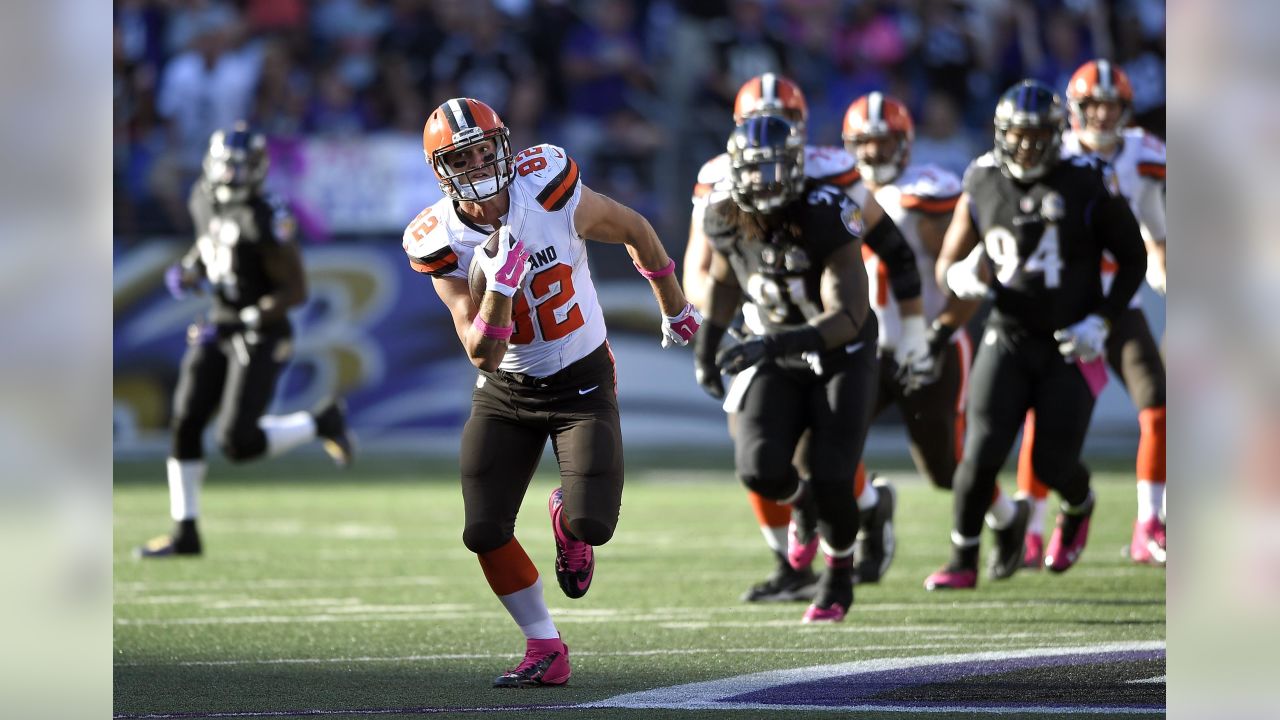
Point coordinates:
pixel 1118 230
pixel 886 240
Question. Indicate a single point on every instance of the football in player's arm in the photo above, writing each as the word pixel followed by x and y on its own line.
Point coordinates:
pixel 1044 224
pixel 537 337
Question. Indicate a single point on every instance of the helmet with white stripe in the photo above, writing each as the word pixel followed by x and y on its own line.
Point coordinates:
pixel 469 147
pixel 1099 81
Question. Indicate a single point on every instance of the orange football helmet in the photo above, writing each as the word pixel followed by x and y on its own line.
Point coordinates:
pixel 876 116
pixel 771 94
pixel 459 124
pixel 1099 80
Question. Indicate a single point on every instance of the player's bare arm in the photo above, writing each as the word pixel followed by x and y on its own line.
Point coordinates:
pixel 599 217
pixel 960 240
pixel 844 297
pixel 1120 234
pixel 284 267
pixel 484 351
pixel 697 260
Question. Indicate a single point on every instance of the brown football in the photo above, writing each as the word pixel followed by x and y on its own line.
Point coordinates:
pixel 475 275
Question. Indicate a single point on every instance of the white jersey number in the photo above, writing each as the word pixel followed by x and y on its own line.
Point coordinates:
pixel 1002 247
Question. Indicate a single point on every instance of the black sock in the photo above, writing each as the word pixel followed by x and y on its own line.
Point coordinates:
pixel 964 557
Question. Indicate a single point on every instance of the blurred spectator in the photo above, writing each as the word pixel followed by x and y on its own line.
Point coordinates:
pixel 335 107
pixel 349 31
pixel 940 137
pixel 189 18
pixel 948 48
pixel 209 86
pixel 609 85
pixel 283 93
pixel 742 48
pixel 485 61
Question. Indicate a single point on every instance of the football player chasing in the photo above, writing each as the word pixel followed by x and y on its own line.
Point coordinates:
pixel 1100 102
pixel 790 257
pixel 930 392
pixel 1044 223
pixel 773 94
pixel 537 337
pixel 246 257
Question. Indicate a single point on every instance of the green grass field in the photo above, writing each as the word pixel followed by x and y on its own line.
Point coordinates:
pixel 322 591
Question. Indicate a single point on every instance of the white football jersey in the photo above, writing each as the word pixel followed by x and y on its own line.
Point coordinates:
pixel 558 319
pixel 919 189
pixel 825 164
pixel 1139 167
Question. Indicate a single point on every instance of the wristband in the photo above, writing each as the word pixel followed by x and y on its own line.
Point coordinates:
pixel 655 274
pixel 497 332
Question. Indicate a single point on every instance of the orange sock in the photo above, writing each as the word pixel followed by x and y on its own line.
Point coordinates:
pixel 1151 444
pixel 769 513
pixel 508 569
pixel 859 479
pixel 1028 484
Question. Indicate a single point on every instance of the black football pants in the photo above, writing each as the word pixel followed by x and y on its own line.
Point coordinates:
pixel 233 374
pixel 511 418
pixel 930 414
pixel 835 407
pixel 1013 373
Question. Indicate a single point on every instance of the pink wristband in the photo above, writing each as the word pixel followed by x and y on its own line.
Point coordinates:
pixel 655 274
pixel 497 332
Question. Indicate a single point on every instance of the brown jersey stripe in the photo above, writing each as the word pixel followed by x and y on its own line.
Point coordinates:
pixel 930 204
pixel 441 262
pixel 1153 170
pixel 844 179
pixel 560 189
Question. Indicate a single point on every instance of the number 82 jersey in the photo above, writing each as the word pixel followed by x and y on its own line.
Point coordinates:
pixel 1045 239
pixel 557 316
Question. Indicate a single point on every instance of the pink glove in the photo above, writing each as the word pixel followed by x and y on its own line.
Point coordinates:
pixel 679 330
pixel 506 269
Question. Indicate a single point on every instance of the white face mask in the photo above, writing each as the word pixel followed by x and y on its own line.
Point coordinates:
pixel 478 189
pixel 881 174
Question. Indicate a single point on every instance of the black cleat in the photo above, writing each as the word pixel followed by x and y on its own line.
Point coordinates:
pixel 168 546
pixel 784 584
pixel 1010 549
pixel 876 541
pixel 331 428
pixel 835 592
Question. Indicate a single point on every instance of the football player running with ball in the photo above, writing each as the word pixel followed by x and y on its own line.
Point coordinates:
pixel 538 338
pixel 790 256
pixel 1043 223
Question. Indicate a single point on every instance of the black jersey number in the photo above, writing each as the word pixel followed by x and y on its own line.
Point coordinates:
pixel 1002 248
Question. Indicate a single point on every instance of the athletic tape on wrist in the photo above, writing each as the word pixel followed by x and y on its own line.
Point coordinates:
pixel 498 332
pixel 655 274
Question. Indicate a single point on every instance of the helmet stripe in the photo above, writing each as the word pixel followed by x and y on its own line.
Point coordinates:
pixel 1104 77
pixel 875 108
pixel 467 115
pixel 768 89
pixel 453 112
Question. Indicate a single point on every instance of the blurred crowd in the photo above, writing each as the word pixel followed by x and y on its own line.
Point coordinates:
pixel 639 91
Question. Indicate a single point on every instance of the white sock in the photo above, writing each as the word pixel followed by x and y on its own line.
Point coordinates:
pixel 869 496
pixel 1001 513
pixel 185 479
pixel 286 432
pixel 775 537
pixel 1150 499
pixel 961 541
pixel 529 609
pixel 1039 506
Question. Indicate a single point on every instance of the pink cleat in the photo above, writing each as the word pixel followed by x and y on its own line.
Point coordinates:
pixel 802 531
pixel 575 559
pixel 952 578
pixel 815 614
pixel 1147 546
pixel 1033 558
pixel 1069 538
pixel 546 662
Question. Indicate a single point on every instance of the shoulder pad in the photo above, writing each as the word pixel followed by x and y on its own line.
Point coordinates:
pixel 712 176
pixel 830 165
pixel 426 242
pixel 547 174
pixel 720 223
pixel 824 199
pixel 1151 152
pixel 929 188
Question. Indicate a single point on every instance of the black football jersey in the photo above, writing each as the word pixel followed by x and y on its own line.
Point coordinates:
pixel 1045 241
pixel 779 263
pixel 233 239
